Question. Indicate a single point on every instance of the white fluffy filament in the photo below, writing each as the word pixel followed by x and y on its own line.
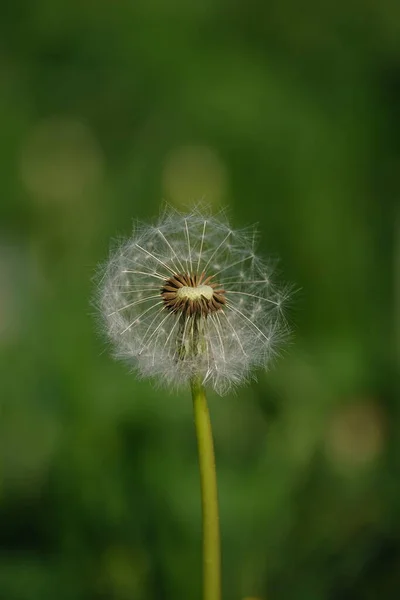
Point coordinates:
pixel 221 341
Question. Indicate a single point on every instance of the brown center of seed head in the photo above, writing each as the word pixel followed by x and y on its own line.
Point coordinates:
pixel 192 294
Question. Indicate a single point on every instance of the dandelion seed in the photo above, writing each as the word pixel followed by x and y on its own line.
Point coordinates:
pixel 212 311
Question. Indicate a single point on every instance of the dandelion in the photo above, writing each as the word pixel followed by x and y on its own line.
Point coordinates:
pixel 188 297
pixel 187 301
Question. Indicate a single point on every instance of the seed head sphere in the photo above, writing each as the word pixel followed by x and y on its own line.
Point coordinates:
pixel 188 297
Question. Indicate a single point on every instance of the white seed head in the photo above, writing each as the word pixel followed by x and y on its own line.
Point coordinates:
pixel 187 297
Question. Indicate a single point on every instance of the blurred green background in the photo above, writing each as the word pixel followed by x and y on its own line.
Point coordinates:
pixel 288 114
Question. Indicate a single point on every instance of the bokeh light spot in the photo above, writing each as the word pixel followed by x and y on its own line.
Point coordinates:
pixel 355 435
pixel 60 160
pixel 193 173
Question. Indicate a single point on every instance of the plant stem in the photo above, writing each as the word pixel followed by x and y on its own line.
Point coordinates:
pixel 209 496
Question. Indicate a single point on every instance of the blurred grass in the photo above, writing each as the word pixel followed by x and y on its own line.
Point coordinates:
pixel 288 115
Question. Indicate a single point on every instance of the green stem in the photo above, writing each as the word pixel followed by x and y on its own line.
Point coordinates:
pixel 209 496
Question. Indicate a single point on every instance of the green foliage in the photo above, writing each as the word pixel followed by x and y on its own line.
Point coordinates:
pixel 287 113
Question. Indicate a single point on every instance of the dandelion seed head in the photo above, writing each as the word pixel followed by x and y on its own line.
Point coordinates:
pixel 189 297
